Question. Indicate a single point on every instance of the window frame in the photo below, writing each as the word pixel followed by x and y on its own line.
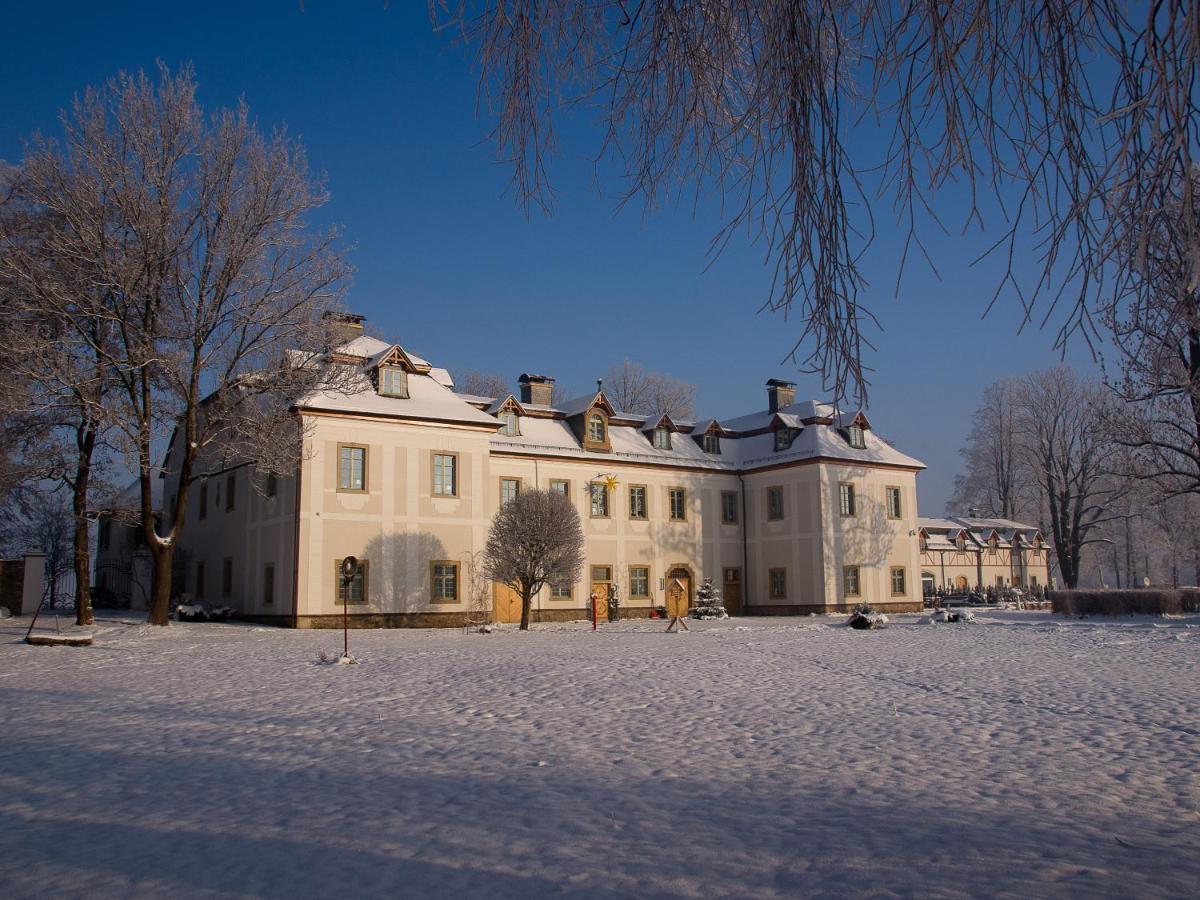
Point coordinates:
pixel 645 494
pixel 846 573
pixel 365 458
pixel 385 375
pixel 856 436
pixel 510 422
pixel 633 594
pixel 662 438
pixel 733 508
pixel 433 467
pixel 902 571
pixel 565 482
pixel 682 492
pixel 710 443
pixel 775 514
pixel 783 439
pixel 595 414
pixel 271 485
pixel 592 514
pixel 847 500
pixel 889 492
pixel 557 592
pixel 434 564
pixel 363 576
pixel 508 479
pixel 772 592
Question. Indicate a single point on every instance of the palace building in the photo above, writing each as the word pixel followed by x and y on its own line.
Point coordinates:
pixel 961 554
pixel 796 508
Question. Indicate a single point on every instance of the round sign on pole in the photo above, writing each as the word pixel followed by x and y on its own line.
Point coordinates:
pixel 349 567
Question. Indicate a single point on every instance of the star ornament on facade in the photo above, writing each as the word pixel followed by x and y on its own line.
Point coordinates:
pixel 610 482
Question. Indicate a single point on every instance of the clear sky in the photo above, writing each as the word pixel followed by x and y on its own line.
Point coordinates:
pixel 449 265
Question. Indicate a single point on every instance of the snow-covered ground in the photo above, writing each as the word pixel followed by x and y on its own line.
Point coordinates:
pixel 1020 755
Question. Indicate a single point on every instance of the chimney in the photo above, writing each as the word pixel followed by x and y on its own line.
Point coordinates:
pixel 343 327
pixel 780 394
pixel 536 389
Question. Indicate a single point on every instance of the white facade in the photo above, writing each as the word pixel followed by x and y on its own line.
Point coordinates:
pixel 760 505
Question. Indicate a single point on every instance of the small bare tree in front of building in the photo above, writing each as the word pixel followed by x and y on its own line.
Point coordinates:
pixel 536 539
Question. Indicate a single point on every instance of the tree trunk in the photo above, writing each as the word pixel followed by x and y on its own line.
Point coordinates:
pixel 160 585
pixel 81 548
pixel 526 603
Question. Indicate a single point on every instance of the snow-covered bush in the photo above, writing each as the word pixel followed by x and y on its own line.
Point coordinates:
pixel 954 615
pixel 709 604
pixel 866 617
pixel 198 612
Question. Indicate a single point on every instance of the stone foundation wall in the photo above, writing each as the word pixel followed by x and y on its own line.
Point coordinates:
pixel 822 608
pixel 425 619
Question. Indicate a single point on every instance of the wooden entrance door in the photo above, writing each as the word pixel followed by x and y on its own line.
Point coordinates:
pixel 679 592
pixel 731 592
pixel 506 603
pixel 601 579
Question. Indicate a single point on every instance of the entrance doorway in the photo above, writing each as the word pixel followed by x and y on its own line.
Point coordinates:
pixel 731 592
pixel 506 603
pixel 679 591
pixel 601 579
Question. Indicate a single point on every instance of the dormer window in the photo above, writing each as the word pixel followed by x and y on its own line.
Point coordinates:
pixel 597 429
pixel 711 443
pixel 960 542
pixel 393 382
pixel 509 426
pixel 923 541
pixel 783 438
pixel 858 437
pixel 662 438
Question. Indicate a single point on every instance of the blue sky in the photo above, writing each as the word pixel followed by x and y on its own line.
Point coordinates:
pixel 448 263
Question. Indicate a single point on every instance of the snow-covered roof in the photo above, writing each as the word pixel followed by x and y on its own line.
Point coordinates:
pixel 427 399
pixel 747 441
pixel 980 530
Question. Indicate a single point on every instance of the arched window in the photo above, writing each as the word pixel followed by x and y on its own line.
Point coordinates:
pixel 597 429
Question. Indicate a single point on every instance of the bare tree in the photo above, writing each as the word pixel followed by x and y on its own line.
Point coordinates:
pixel 481 384
pixel 634 390
pixel 535 540
pixel 55 338
pixel 195 228
pixel 1154 315
pixel 1063 110
pixel 994 481
pixel 1067 449
pixel 51 529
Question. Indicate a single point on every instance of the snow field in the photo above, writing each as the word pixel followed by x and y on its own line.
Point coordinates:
pixel 1017 755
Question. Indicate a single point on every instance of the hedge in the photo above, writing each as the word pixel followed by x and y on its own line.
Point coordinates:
pixel 1147 601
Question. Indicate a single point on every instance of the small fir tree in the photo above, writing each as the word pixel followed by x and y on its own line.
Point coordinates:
pixel 709 604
